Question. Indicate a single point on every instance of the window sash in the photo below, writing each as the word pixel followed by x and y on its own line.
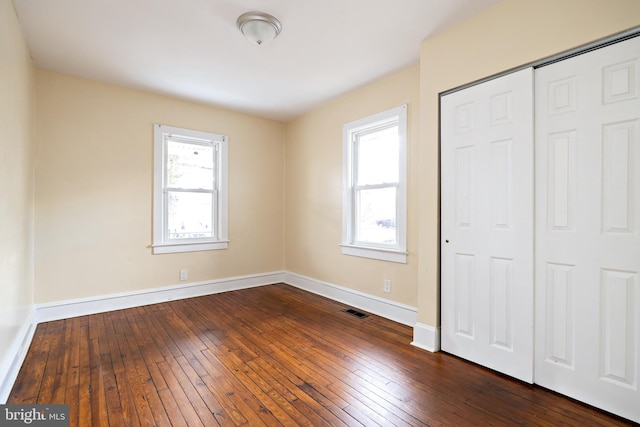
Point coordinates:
pixel 196 143
pixel 394 248
pixel 357 149
pixel 214 221
pixel 213 217
pixel 166 190
pixel 357 188
pixel 356 226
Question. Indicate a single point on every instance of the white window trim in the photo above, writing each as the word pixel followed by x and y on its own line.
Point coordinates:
pixel 396 253
pixel 161 245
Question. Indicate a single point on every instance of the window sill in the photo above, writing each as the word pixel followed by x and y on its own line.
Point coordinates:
pixel 375 253
pixel 172 248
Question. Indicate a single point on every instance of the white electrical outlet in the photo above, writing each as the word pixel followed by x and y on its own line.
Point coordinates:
pixel 184 275
pixel 387 285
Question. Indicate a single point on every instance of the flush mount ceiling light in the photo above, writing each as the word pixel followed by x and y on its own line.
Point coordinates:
pixel 259 27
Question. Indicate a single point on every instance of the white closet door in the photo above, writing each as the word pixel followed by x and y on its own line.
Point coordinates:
pixel 588 228
pixel 487 217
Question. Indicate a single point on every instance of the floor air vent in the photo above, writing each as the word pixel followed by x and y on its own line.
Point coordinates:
pixel 355 313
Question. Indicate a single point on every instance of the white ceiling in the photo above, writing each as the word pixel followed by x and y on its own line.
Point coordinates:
pixel 192 49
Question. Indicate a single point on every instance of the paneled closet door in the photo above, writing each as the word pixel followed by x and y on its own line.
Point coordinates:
pixel 487 224
pixel 588 227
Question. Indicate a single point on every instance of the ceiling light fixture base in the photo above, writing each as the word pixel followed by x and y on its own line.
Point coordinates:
pixel 259 27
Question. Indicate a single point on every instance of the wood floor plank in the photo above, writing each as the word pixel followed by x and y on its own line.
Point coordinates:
pixel 238 343
pixel 350 397
pixel 140 346
pixel 335 414
pixel 291 386
pixel 50 379
pixel 135 380
pixel 190 389
pixel 27 388
pixel 84 373
pixel 237 394
pixel 269 356
pixel 186 411
pixel 214 407
pixel 338 366
pixel 72 392
pixel 114 411
pixel 97 393
pixel 231 413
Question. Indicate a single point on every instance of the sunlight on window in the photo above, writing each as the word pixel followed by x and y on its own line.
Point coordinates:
pixel 377 216
pixel 377 171
pixel 374 196
pixel 189 215
pixel 378 157
pixel 189 166
pixel 190 190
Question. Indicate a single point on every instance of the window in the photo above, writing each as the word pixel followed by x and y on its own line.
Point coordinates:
pixel 375 186
pixel 190 190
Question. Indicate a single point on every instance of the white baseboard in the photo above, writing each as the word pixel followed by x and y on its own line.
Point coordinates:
pixel 14 357
pixel 84 306
pixel 426 337
pixel 392 310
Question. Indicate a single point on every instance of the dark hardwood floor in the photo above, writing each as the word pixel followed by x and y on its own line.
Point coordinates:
pixel 273 355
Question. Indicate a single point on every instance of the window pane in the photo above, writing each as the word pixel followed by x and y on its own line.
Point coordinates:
pixel 189 166
pixel 376 216
pixel 190 215
pixel 378 157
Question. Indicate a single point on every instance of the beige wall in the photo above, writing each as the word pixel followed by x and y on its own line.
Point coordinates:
pixel 94 167
pixel 94 190
pixel 314 191
pixel 17 91
pixel 510 34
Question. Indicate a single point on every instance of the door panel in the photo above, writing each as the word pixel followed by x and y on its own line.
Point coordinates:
pixel 587 217
pixel 487 224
